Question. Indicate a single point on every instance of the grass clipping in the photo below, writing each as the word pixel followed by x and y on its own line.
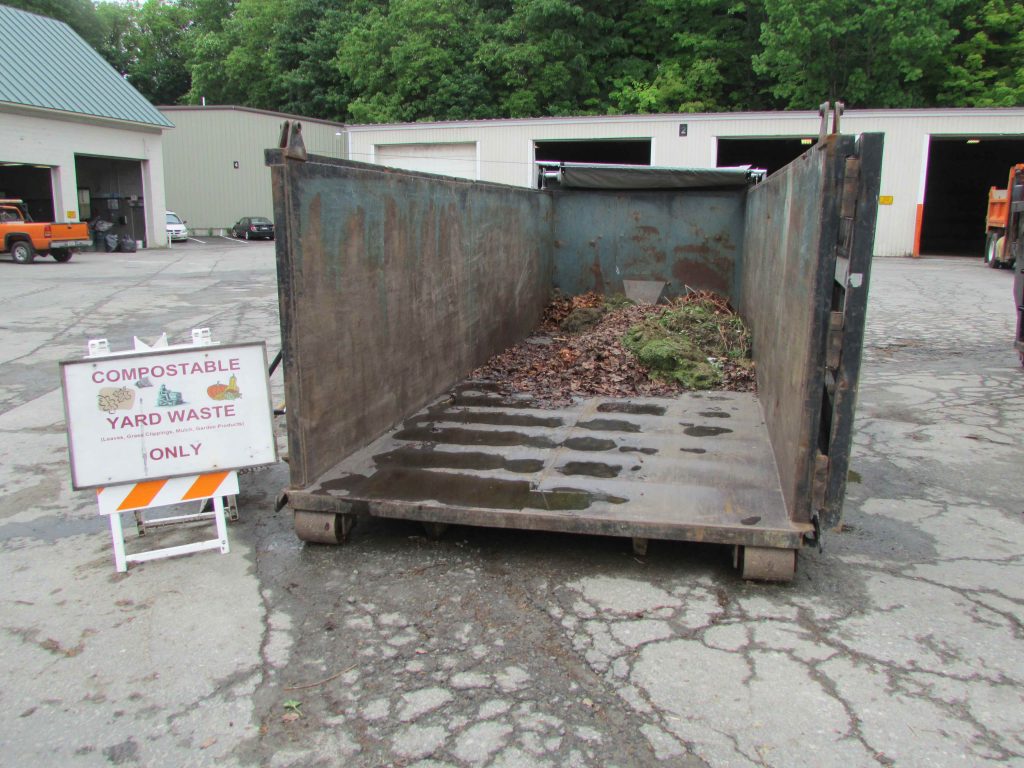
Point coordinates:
pixel 695 342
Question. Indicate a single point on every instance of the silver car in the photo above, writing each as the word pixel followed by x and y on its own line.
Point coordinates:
pixel 176 229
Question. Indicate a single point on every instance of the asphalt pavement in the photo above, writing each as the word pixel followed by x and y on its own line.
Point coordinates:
pixel 900 643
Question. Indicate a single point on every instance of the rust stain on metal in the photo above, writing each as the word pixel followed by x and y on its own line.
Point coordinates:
pixel 355 229
pixel 643 233
pixel 595 270
pixel 714 274
pixel 701 248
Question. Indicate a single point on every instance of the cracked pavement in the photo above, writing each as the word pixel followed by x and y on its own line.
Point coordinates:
pixel 900 643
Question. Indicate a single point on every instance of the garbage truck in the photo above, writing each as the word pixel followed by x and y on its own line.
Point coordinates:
pixel 1004 221
pixel 394 286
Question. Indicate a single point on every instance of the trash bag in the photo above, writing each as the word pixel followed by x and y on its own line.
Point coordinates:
pixel 110 242
pixel 101 225
pixel 126 244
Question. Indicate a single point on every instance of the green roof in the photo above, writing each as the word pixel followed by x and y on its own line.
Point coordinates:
pixel 45 64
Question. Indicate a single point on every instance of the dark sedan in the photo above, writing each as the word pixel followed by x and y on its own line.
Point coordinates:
pixel 253 228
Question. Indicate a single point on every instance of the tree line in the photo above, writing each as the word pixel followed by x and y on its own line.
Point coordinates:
pixel 368 61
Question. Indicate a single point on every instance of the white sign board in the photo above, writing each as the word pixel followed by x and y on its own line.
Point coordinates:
pixel 156 414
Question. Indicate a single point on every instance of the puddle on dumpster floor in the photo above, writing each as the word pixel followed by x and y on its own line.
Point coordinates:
pixel 589 444
pixel 486 394
pixel 694 450
pixel 700 431
pixel 609 425
pixel 639 409
pixel 478 400
pixel 416 485
pixel 429 459
pixel 590 469
pixel 487 417
pixel 716 414
pixel 459 436
pixel 637 449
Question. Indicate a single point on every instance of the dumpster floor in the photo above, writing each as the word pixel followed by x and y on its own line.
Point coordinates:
pixel 696 467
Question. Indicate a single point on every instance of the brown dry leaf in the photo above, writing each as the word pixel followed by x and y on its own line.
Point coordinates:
pixel 208 743
pixel 290 717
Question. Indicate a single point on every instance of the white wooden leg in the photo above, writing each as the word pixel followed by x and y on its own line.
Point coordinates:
pixel 117 536
pixel 222 526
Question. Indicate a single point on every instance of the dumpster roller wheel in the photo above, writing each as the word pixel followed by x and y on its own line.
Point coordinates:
pixel 323 527
pixel 767 563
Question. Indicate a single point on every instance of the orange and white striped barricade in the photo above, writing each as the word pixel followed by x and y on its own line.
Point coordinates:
pixel 131 497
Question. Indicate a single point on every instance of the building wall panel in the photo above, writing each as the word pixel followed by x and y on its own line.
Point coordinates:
pixel 214 158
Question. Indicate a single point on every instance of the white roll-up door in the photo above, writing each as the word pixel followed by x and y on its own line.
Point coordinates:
pixel 446 159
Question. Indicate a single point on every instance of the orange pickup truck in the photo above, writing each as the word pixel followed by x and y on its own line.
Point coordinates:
pixel 24 238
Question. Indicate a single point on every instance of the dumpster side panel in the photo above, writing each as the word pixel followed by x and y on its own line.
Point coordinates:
pixel 788 265
pixel 685 238
pixel 394 286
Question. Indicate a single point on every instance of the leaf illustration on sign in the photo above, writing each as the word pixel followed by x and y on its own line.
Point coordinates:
pixel 116 399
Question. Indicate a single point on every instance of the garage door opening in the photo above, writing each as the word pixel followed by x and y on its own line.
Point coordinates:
pixel 769 154
pixel 31 183
pixel 960 172
pixel 111 189
pixel 614 151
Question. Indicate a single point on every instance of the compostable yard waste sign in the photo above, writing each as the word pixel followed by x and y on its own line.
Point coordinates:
pixel 157 414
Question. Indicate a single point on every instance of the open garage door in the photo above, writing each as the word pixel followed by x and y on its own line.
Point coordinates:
pixel 769 154
pixel 111 189
pixel 446 159
pixel 616 151
pixel 31 183
pixel 960 172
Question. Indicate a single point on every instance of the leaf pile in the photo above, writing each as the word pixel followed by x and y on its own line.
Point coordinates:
pixel 554 365
pixel 692 342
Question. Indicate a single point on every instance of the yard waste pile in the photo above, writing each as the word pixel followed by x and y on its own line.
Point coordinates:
pixel 608 346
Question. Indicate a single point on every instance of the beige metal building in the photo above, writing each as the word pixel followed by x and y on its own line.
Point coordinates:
pixel 937 167
pixel 215 171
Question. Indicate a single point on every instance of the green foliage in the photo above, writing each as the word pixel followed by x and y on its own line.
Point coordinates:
pixel 988 56
pixel 414 60
pixel 409 60
pixel 703 59
pixel 147 43
pixel 883 53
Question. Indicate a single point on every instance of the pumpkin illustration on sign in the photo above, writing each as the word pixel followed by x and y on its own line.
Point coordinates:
pixel 227 391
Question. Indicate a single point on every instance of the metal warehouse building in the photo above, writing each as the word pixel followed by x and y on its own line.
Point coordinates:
pixel 214 159
pixel 76 140
pixel 937 168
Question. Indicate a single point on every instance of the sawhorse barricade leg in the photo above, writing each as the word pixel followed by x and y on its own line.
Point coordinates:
pixel 170 492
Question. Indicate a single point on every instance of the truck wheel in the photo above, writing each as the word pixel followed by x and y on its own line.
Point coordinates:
pixel 23 252
pixel 63 255
pixel 991 244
